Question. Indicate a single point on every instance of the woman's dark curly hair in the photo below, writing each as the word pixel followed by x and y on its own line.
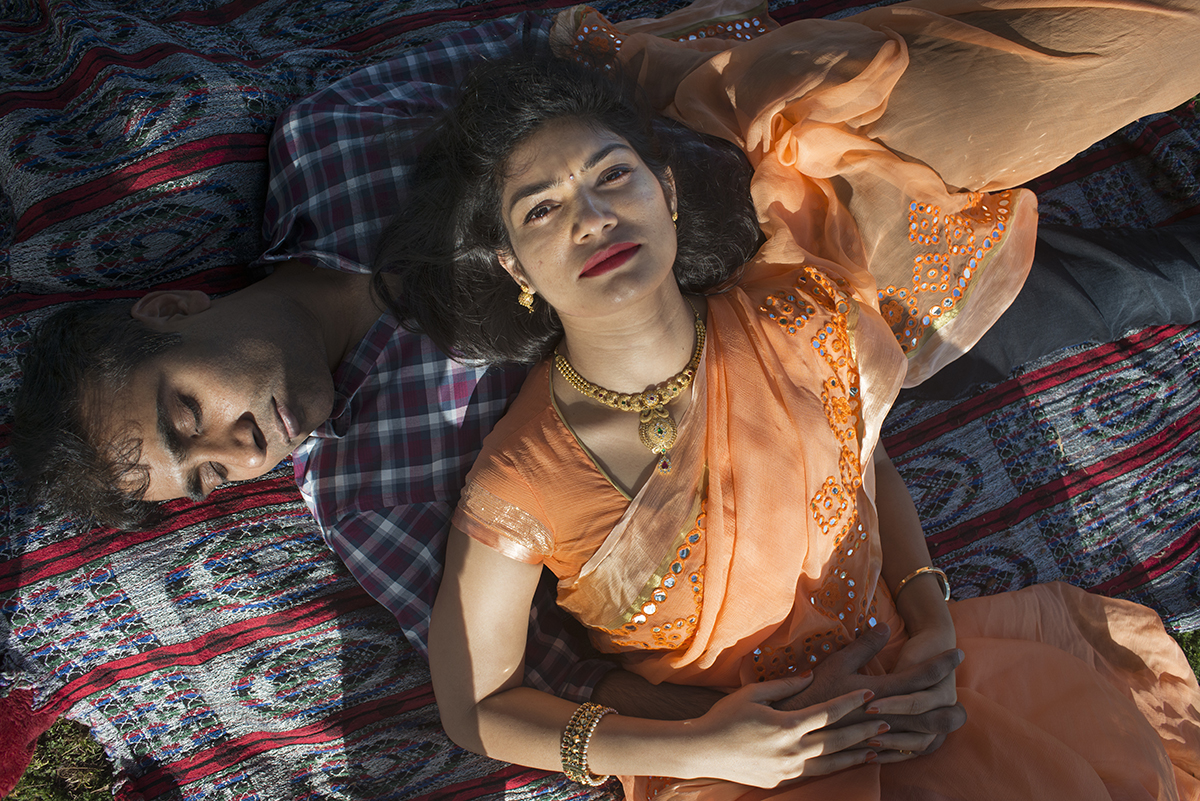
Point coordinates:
pixel 442 248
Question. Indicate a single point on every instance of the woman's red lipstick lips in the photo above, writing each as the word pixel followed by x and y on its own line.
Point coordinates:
pixel 609 259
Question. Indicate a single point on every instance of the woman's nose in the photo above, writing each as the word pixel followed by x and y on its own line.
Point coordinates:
pixel 593 217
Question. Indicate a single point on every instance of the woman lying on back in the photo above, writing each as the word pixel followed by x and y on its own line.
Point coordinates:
pixel 699 464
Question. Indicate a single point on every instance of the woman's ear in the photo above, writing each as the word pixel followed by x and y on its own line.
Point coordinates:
pixel 670 193
pixel 161 307
pixel 508 261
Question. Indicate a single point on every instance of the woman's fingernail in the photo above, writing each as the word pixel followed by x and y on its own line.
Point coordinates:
pixel 870 757
pixel 806 674
pixel 872 710
pixel 874 744
pixel 961 655
pixel 884 728
pixel 867 696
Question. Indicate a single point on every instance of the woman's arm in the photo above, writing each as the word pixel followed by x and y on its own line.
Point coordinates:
pixel 476 642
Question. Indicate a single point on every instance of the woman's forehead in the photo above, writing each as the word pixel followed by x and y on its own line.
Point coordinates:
pixel 558 150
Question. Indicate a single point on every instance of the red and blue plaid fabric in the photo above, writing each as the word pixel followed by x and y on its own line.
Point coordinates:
pixel 383 474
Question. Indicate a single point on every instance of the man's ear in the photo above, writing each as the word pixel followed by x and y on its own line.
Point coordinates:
pixel 162 307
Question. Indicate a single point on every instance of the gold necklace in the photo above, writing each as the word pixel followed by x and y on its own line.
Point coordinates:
pixel 657 429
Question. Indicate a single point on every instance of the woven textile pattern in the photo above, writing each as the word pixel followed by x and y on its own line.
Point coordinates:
pixel 226 653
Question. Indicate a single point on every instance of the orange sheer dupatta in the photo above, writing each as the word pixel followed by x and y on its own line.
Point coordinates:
pixel 887 143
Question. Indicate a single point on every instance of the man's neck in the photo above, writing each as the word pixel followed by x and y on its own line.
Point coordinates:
pixel 339 303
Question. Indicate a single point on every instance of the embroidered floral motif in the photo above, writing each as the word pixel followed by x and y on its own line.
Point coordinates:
pixel 950 249
pixel 840 598
pixel 672 620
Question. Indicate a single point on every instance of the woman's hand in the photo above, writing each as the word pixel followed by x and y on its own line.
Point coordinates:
pixel 745 740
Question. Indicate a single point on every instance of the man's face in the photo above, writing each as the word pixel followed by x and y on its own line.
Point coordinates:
pixel 246 385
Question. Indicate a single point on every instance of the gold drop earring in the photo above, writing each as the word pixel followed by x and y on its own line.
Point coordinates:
pixel 526 297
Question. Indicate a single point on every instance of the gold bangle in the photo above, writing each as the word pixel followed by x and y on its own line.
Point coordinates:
pixel 943 579
pixel 575 741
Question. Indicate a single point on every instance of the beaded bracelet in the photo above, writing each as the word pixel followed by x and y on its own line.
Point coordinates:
pixel 943 579
pixel 575 741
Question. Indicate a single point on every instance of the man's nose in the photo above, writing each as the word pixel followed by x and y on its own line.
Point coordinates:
pixel 239 444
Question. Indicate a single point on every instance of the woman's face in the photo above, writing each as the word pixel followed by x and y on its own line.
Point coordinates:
pixel 590 224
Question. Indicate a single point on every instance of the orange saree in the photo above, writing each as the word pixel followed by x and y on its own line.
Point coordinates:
pixel 758 555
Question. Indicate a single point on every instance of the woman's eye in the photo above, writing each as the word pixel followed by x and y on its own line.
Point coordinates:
pixel 615 174
pixel 538 212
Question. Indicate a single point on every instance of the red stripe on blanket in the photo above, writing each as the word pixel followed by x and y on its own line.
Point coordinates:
pixel 138 174
pixel 213 280
pixel 98 61
pixel 808 10
pixel 1031 383
pixel 493 785
pixel 261 499
pixel 1184 430
pixel 1102 158
pixel 332 728
pixel 1181 553
pixel 212 645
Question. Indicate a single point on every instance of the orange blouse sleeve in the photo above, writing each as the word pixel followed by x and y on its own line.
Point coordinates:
pixel 499 523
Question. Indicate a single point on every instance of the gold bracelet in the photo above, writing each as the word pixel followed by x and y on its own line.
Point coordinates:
pixel 575 741
pixel 943 579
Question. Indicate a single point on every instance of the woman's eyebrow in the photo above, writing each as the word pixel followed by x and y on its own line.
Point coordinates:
pixel 541 186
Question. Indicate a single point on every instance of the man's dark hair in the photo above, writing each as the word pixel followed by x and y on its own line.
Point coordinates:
pixel 443 246
pixel 77 357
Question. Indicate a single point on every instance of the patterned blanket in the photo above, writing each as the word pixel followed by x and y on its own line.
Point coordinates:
pixel 226 653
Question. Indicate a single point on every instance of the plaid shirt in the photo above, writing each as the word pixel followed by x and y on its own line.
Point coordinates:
pixel 382 476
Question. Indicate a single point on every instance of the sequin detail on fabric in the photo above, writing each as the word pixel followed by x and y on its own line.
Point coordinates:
pixel 670 608
pixel 818 307
pixel 598 41
pixel 949 252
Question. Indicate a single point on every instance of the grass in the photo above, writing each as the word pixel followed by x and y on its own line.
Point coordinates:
pixel 70 766
pixel 1190 643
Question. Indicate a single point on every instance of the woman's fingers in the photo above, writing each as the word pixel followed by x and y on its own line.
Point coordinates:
pixel 832 763
pixel 765 692
pixel 830 741
pixel 852 657
pixel 942 694
pixel 829 712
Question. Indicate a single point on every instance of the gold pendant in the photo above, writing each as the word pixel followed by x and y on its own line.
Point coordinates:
pixel 657 431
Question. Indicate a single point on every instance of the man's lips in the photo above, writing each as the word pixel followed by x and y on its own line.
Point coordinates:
pixel 287 421
pixel 609 259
